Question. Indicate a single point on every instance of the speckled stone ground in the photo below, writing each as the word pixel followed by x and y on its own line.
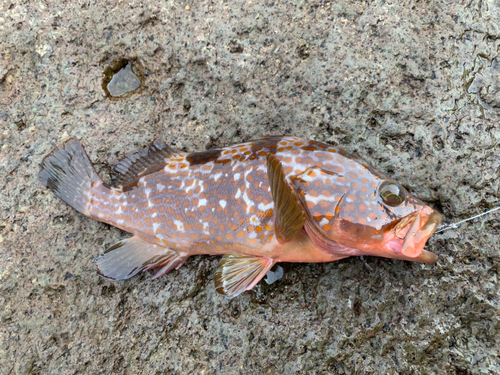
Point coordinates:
pixel 411 86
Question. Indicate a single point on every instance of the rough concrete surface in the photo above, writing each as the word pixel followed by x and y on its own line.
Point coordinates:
pixel 411 86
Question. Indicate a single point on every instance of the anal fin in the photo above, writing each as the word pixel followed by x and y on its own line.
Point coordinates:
pixel 131 256
pixel 238 272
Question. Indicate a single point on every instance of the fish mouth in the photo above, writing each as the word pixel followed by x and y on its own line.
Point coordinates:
pixel 415 230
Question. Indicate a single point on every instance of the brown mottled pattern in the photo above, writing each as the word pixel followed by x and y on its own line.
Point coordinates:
pixel 223 196
pixel 202 157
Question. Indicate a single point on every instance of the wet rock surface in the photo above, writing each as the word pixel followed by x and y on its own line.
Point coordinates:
pixel 410 86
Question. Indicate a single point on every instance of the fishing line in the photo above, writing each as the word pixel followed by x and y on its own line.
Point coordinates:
pixel 444 227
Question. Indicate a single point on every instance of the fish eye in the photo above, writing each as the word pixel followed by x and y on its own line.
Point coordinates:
pixel 392 194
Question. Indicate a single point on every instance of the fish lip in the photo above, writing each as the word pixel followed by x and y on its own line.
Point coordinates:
pixel 403 226
pixel 424 224
pixel 426 257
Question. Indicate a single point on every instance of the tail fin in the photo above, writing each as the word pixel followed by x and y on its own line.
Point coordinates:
pixel 67 171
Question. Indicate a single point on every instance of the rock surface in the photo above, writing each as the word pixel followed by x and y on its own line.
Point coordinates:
pixel 410 86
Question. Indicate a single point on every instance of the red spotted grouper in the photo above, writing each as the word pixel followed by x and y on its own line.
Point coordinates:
pixel 278 199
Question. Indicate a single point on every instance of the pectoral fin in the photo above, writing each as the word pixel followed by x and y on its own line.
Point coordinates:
pixel 289 217
pixel 238 272
pixel 131 256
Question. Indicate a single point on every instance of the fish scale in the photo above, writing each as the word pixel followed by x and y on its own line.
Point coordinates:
pixel 262 202
pixel 231 200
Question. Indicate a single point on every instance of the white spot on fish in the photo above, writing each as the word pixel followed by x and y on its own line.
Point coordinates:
pixel 154 214
pixel 205 228
pixel 150 203
pixel 217 176
pixel 238 194
pixel 222 203
pixel 323 222
pixel 119 210
pixel 120 221
pixel 265 207
pixel 192 186
pixel 155 227
pixel 180 225
pixel 248 201
pixel 202 202
pixel 306 177
pixel 147 192
pixel 237 176
pixel 320 198
pixel 160 187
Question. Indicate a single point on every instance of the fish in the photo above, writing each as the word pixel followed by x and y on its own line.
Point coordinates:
pixel 258 203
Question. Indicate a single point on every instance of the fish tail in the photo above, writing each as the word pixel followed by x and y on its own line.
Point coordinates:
pixel 67 171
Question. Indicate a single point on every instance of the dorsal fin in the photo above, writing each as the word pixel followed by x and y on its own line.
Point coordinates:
pixel 289 217
pixel 150 159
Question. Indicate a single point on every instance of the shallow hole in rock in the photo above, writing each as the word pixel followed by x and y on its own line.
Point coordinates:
pixel 122 79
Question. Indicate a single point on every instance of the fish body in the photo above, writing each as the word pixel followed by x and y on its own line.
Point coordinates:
pixel 278 199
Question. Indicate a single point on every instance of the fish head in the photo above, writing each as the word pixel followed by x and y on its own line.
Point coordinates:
pixel 356 210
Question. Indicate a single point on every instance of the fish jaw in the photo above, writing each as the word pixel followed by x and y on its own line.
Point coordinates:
pixel 407 241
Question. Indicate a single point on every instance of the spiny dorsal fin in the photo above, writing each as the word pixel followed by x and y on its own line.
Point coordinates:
pixel 289 217
pixel 128 257
pixel 148 160
pixel 239 272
